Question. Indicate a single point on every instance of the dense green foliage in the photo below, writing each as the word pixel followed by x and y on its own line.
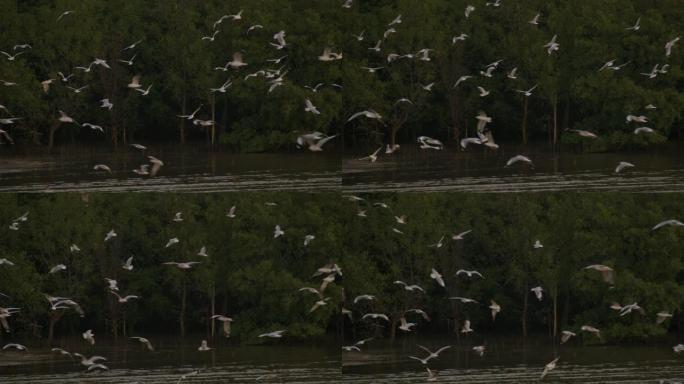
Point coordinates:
pixel 254 278
pixel 180 66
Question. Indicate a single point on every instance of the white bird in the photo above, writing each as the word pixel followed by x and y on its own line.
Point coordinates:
pixel 584 133
pixel 428 87
pixel 535 19
pixel 483 92
pixel 277 232
pixel 144 341
pixel 528 92
pixel 124 299
pixel 212 37
pixel 637 119
pixel 479 349
pixel 156 165
pixel 106 104
pixel 21 46
pixel 132 46
pixel 203 252
pixel 538 292
pixel 513 73
pixel 371 114
pixel 672 222
pixel 89 336
pixel 438 244
pixel 102 167
pixel 606 272
pixel 349 348
pixel 566 335
pixel 183 265
pixel 466 327
pixel 437 277
pixel 74 248
pixel 16 346
pixel 469 273
pixel 178 217
pixel 463 300
pixel 375 316
pixel 409 288
pixel 397 20
pixel 373 157
pixel 678 348
pixel 363 298
pixel 308 239
pixel 63 14
pixel 429 143
pixel 669 45
pixel 275 334
pixel 372 69
pixel 552 45
pixel 192 115
pixel 8 83
pixel 643 130
pixel 470 140
pixel 518 158
pixel 623 164
pixel 662 316
pixel 461 37
pixel 549 367
pixel 636 26
pixel 61 351
pixel 128 265
pixel 112 284
pixel 231 212
pixel 254 27
pixel 64 118
pixel 129 61
pixel 135 82
pixel 627 309
pixel 460 236
pixel 376 47
pixel 89 361
pixel 226 321
pixel 144 92
pixel 280 40
pixel 93 127
pixel 592 330
pixel 203 346
pixel 222 88
pixel 309 107
pixel 388 33
pixel 12 57
pixel 58 268
pixel 110 235
pixel 495 308
pixel 469 9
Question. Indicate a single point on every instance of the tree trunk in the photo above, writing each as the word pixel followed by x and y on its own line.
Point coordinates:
pixel 213 309
pixel 555 121
pixel 54 318
pixel 182 311
pixel 524 123
pixel 213 128
pixel 555 313
pixel 393 330
pixel 182 122
pixel 524 312
pixel 51 134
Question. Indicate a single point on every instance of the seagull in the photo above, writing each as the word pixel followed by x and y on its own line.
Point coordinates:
pixel 6 135
pixel 373 157
pixel 672 222
pixel 145 342
pixel 110 235
pixel 479 349
pixel 203 346
pixel 371 114
pixel 552 45
pixel 636 26
pixel 89 361
pixel 106 104
pixel 89 336
pixel 274 334
pixel 132 46
pixel 643 130
pixel 468 273
pixel 438 244
pixel 376 48
pixel 349 348
pixel 64 118
pixel 622 166
pixel 129 61
pixel 12 57
pixel 428 87
pixel 102 167
pixel 518 158
pixel 669 45
pixel 112 284
pixel 432 375
pixel 135 82
pixel 309 107
pixel 280 40
pixel 678 348
pixel 124 300
pixel 496 308
pixel 662 316
pixel 470 140
pixel 469 9
pixel 94 127
pixel 74 248
pixel 184 265
pixel 463 300
pixel 237 62
pixel 549 367
pixel 409 288
pixel 65 13
pixel 21 46
pixel 483 92
pixel 638 119
pixel 431 355
pixel 128 265
pixel 58 268
pixel 584 133
pixel 212 37
pixel 606 272
pixel 16 346
pixel 535 19
pixel 459 236
pixel 61 351
pixel 363 298
pixel 590 329
pixel 375 316
pixel 538 292
pixel 627 309
pixel 388 33
pixel 437 277
pixel 461 37
pixel 203 252
pixel 8 83
pixel 144 92
pixel 397 20
pixel 231 212
pixel 466 327
pixel 277 232
pixel 527 93
pixel 513 73
pixel 430 143
pixel 566 335
pixel 372 69
pixel 192 115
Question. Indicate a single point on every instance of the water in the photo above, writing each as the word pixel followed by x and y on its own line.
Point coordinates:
pixel 415 170
pixel 510 361
pixel 193 168
pixel 129 363
pixel 506 360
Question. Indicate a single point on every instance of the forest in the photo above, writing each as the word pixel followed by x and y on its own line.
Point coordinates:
pixel 182 49
pixel 248 274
